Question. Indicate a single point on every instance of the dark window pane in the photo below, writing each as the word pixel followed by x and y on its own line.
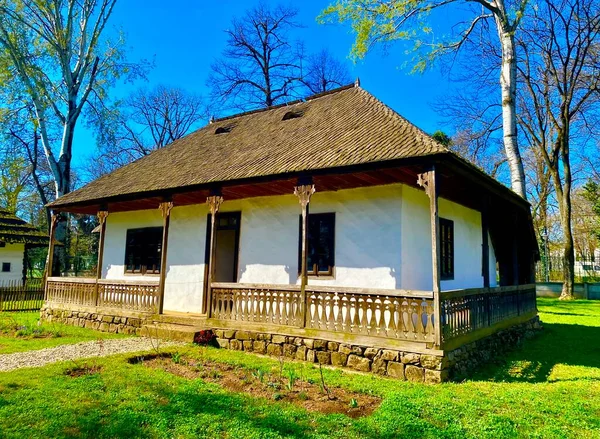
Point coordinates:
pixel 142 252
pixel 446 249
pixel 320 251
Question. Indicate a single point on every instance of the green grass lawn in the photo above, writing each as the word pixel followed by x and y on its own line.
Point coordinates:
pixel 19 331
pixel 549 388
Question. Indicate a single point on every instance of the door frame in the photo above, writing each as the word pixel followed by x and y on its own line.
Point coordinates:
pixel 238 225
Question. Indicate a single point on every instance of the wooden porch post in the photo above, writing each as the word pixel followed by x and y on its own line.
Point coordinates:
pixel 102 214
pixel 165 209
pixel 214 203
pixel 428 181
pixel 304 192
pixel 515 252
pixel 485 245
pixel 50 258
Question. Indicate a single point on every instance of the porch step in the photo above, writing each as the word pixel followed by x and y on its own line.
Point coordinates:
pixel 168 331
pixel 181 319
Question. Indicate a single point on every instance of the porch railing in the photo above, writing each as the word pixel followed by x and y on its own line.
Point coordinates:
pixel 393 314
pixel 466 312
pixel 140 296
pixel 399 314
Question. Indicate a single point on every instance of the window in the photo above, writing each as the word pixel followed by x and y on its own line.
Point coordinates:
pixel 224 129
pixel 321 250
pixel 6 267
pixel 293 114
pixel 447 249
pixel 142 250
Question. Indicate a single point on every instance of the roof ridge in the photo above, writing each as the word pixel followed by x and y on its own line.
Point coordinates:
pixel 285 104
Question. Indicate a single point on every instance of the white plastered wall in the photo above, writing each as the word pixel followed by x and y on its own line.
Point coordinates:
pixel 382 240
pixel 185 258
pixel 13 254
pixel 367 237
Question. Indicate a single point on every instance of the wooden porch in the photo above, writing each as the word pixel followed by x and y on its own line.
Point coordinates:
pixel 397 319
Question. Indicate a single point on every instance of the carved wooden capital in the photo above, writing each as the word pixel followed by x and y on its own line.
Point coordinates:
pixel 214 203
pixel 426 181
pixel 102 214
pixel 165 208
pixel 304 193
pixel 54 219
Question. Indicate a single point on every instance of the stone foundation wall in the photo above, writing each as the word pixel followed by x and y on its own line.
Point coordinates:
pixel 417 367
pixel 397 364
pixel 464 360
pixel 105 322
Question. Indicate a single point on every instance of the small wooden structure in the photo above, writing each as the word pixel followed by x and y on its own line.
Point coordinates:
pixel 16 238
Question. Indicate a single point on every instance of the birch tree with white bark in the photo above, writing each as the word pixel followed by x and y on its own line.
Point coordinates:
pixel 386 21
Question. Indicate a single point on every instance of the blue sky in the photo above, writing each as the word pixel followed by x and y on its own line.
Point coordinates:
pixel 183 37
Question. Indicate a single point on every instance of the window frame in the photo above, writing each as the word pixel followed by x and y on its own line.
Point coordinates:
pixel 6 264
pixel 447 253
pixel 143 270
pixel 311 271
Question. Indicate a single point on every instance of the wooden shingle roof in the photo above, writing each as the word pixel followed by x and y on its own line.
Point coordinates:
pixel 14 230
pixel 345 127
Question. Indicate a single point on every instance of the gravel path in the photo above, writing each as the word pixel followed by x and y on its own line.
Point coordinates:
pixel 85 349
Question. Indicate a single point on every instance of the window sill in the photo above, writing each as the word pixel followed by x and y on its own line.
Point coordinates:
pixel 142 274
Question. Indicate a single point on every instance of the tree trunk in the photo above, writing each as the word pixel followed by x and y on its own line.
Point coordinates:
pixel 564 204
pixel 508 83
pixel 62 182
pixel 568 250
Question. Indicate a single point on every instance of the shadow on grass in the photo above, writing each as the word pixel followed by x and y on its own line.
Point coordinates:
pixel 204 410
pixel 558 343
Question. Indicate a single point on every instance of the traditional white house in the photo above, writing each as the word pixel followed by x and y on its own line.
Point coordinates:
pixel 331 213
pixel 16 237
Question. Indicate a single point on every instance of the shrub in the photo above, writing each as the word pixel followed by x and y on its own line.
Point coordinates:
pixel 205 338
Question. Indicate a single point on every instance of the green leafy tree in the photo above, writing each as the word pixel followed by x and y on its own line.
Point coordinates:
pixel 61 64
pixel 386 21
pixel 442 137
pixel 591 192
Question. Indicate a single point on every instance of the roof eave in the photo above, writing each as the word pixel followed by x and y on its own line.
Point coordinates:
pixel 447 157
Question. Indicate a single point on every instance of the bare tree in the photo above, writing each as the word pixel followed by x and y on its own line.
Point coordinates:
pixel 324 72
pixel 145 121
pixel 385 21
pixel 260 66
pixel 560 71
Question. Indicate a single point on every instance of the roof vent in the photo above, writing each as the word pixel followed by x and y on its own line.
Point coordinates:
pixel 224 129
pixel 294 114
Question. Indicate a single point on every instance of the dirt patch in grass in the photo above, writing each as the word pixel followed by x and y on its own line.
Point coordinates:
pixel 83 370
pixel 283 385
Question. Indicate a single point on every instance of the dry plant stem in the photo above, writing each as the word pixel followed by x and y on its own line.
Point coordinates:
pixel 323 382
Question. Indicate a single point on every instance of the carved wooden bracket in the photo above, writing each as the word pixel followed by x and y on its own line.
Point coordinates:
pixel 54 220
pixel 165 208
pixel 304 193
pixel 425 180
pixel 214 203
pixel 102 214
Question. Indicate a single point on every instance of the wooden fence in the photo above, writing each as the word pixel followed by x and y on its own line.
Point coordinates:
pixel 140 296
pixel 16 296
